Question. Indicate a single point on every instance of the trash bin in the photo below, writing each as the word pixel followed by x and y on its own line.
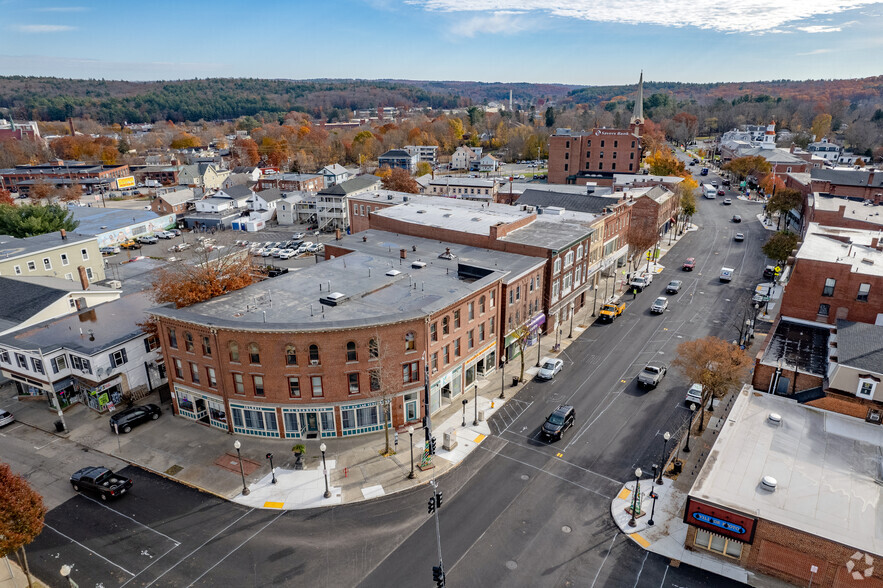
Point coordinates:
pixel 515 380
pixel 59 427
pixel 676 467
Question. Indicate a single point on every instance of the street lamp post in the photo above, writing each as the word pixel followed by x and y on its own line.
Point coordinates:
pixel 411 476
pixel 237 445
pixel 632 521
pixel 654 496
pixel 503 377
pixel 539 343
pixel 475 407
pixel 690 426
pixel 322 448
pixel 272 470
pixel 570 335
pixel 66 574
pixel 663 461
pixel 465 402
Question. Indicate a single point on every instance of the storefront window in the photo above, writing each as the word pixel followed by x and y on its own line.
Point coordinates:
pixel 718 543
pixel 470 375
pixel 185 402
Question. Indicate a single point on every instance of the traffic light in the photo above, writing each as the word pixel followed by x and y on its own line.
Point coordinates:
pixel 438 576
pixel 438 499
pixel 430 506
pixel 432 446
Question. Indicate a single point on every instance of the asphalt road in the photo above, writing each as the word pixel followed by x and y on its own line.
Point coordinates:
pixel 518 512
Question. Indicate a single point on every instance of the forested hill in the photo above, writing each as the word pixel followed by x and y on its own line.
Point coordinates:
pixel 108 101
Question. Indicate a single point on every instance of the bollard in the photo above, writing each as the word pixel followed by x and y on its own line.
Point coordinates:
pixel 492 403
pixel 345 472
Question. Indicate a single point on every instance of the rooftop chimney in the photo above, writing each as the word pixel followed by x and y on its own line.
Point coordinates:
pixel 84 280
pixel 63 234
pixel 403 254
pixel 337 234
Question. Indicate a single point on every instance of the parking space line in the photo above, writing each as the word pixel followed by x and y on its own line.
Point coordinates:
pixel 87 549
pixel 234 550
pixel 207 541
pixel 47 445
pixel 99 503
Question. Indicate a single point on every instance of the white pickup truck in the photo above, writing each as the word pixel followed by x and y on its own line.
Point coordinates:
pixel 641 280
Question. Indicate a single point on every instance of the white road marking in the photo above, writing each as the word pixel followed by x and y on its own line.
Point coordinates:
pixel 609 549
pixel 118 513
pixel 47 445
pixel 641 570
pixel 72 540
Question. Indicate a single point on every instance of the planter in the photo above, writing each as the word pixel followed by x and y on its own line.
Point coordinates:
pixel 298 461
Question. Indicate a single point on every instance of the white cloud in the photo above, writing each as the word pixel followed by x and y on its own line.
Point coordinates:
pixel 819 29
pixel 62 9
pixel 734 16
pixel 816 52
pixel 43 28
pixel 497 23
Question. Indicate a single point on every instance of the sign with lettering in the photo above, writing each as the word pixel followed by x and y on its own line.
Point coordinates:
pixel 719 520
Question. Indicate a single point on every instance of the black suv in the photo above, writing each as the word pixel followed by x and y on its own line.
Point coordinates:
pixel 558 422
pixel 131 417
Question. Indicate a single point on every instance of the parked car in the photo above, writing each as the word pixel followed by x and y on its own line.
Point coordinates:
pixel 177 232
pixel 694 395
pixel 112 250
pixel 611 310
pixel 148 240
pixel 659 305
pixel 124 420
pixel 652 374
pixel 769 271
pixel 286 254
pixel 739 237
pixel 737 218
pixel 559 421
pixel 130 244
pixel 165 235
pixel 315 248
pixel 6 418
pixel 673 287
pixel 298 235
pixel 101 480
pixel 549 368
pixel 641 280
pixel 267 252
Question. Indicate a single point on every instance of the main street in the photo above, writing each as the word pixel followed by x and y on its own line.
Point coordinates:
pixel 517 512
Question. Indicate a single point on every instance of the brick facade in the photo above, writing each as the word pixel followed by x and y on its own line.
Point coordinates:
pixel 805 293
pixel 600 150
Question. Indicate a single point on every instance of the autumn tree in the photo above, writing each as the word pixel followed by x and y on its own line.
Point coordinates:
pixel 771 184
pixel 399 180
pixel 780 245
pixel 522 335
pixel 642 235
pixel 72 193
pixel 663 163
pixel 21 516
pixel 718 365
pixel 29 220
pixel 41 190
pixel 384 379
pixel 754 166
pixel 652 137
pixel 424 168
pixel 783 201
pixel 821 126
pixel 245 152
pixel 184 140
pixel 202 277
pixel 687 201
pixel 6 197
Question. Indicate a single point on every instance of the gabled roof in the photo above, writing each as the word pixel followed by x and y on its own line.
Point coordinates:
pixel 847 177
pixel 25 297
pixel 860 345
pixel 567 201
pixel 335 169
pixel 357 184
pixel 244 169
pixel 270 195
pixel 238 191
pixel 178 197
pixel 397 153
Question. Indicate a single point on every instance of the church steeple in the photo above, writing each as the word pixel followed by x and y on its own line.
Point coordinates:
pixel 638 114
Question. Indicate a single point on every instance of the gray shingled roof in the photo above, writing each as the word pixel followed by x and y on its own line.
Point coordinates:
pixel 847 177
pixel 860 345
pixel 576 202
pixel 358 184
pixel 239 191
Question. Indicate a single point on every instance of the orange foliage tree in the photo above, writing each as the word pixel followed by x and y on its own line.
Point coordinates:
pixel 21 515
pixel 6 197
pixel 399 180
pixel 245 151
pixel 202 278
pixel 771 183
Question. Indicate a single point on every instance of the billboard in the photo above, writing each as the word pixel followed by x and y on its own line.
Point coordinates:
pixel 719 521
pixel 126 182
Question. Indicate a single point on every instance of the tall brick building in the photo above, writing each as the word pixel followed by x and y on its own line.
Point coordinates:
pixel 580 157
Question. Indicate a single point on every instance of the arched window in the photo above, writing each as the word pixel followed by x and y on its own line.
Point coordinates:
pixel 568 259
pixel 290 355
pixel 351 352
pixel 314 354
pixel 188 342
pixel 481 305
pixel 254 353
pixel 579 252
pixel 373 349
pixel 410 341
pixel 234 351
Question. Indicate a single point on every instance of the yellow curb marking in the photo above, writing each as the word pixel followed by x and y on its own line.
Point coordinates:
pixel 640 540
pixel 479 439
pixel 274 504
pixel 624 493
pixel 559 455
pixel 623 381
pixel 665 328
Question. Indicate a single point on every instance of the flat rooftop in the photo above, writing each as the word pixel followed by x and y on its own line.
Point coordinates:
pixel 826 244
pixel 825 465
pixel 95 220
pixel 454 214
pixel 111 323
pixel 554 231
pixel 387 197
pixel 853 209
pixel 382 243
pixel 290 302
pixel 799 344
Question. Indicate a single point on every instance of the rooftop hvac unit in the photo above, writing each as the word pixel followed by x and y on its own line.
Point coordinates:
pixel 115 284
pixel 418 264
pixel 769 483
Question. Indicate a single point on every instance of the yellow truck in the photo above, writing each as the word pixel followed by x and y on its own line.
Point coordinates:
pixel 611 310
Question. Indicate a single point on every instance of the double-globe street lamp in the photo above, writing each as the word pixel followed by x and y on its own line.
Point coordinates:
pixel 663 461
pixel 690 426
pixel 322 448
pixel 638 472
pixel 411 476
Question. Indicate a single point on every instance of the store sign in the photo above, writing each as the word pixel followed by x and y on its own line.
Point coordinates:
pixel 719 520
pixel 536 321
pixel 125 182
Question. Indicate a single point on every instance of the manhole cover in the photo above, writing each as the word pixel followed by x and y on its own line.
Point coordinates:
pixel 525 477
pixel 566 529
pixel 511 564
pixel 174 470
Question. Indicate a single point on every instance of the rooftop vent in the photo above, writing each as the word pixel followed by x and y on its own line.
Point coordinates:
pixel 775 418
pixel 393 272
pixel 769 483
pixel 421 212
pixel 418 264
pixel 332 299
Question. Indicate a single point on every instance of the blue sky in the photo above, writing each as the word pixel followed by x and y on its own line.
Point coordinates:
pixel 565 41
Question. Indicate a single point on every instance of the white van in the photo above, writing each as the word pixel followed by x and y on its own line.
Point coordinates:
pixel 727 274
pixel 709 191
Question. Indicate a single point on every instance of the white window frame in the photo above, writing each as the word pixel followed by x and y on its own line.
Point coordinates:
pixel 555 291
pixel 861 384
pixel 568 259
pixel 566 284
pixel 17 270
pixel 579 252
pixel 89 273
pixel 64 259
pixel 556 267
pixel 85 254
pixel 47 264
pixel 32 266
